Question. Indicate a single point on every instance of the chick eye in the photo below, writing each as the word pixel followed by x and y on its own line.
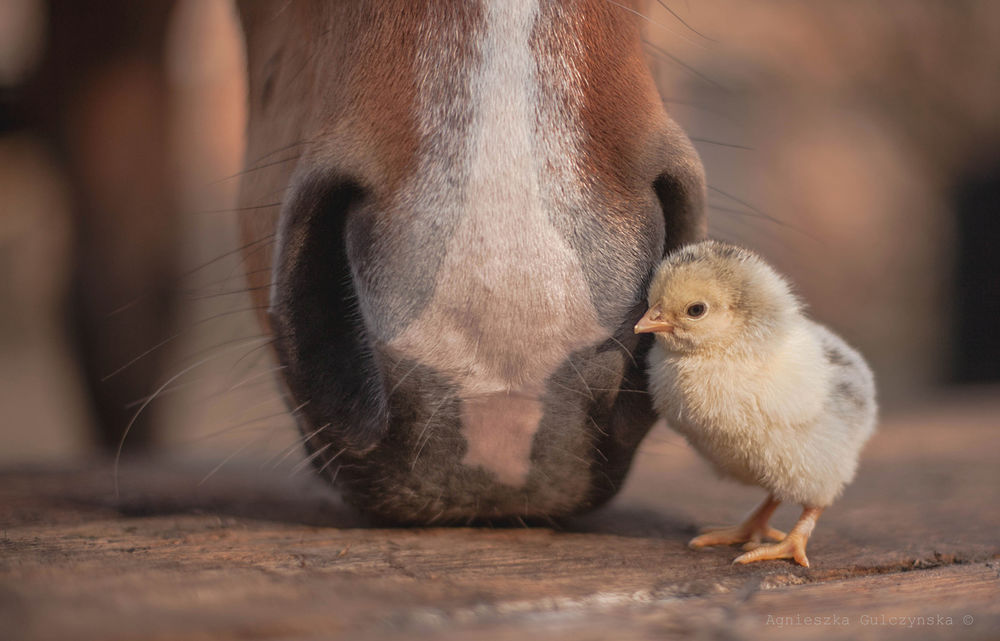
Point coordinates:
pixel 696 310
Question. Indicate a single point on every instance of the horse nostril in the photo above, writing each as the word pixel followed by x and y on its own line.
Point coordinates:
pixel 681 192
pixel 321 340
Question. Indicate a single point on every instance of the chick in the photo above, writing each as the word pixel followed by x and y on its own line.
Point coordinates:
pixel 768 396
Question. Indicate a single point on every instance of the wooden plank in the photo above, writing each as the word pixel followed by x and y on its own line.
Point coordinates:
pixel 255 553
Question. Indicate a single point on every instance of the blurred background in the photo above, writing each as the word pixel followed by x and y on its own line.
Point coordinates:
pixel 855 144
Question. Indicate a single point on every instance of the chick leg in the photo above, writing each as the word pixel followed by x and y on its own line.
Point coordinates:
pixel 792 546
pixel 751 531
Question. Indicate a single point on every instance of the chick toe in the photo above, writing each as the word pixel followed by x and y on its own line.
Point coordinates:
pixel 792 546
pixel 773 534
pixel 749 535
pixel 720 536
pixel 751 532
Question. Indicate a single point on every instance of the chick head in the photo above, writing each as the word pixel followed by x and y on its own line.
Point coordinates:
pixel 715 296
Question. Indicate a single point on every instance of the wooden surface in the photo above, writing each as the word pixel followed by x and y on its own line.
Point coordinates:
pixel 253 553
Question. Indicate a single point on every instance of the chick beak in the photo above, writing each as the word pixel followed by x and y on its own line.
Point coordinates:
pixel 653 321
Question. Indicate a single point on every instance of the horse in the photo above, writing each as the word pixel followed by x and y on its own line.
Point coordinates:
pixel 451 211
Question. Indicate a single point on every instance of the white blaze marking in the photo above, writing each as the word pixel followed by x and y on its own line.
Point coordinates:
pixel 511 300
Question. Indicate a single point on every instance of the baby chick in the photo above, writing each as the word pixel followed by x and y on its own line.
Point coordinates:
pixel 769 397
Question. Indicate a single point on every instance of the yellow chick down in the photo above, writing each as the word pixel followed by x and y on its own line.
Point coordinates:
pixel 766 395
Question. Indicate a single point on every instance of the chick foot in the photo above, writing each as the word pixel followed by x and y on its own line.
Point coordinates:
pixel 792 546
pixel 751 532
